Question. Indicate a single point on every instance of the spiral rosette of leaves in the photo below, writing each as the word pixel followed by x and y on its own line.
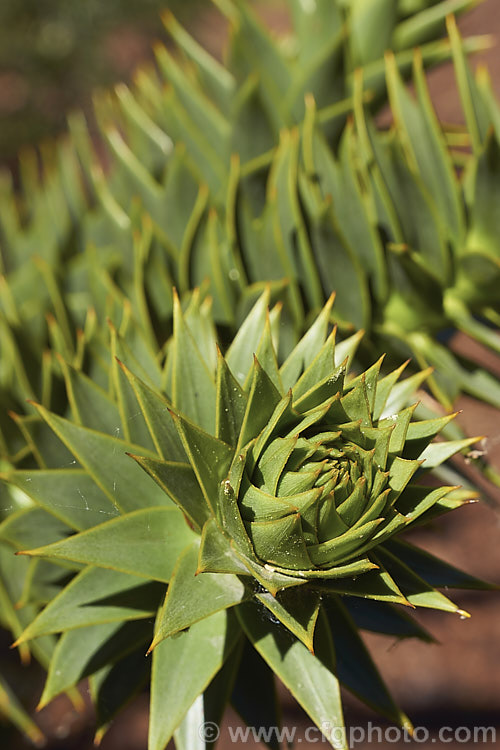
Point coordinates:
pixel 280 488
pixel 308 474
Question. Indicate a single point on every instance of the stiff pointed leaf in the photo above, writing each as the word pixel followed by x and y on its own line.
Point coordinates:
pixel 282 416
pixel 179 482
pixel 105 459
pixel 256 51
pixel 197 654
pixel 345 570
pixel 140 358
pixel 82 652
pixel 281 542
pixel 15 713
pixel 322 366
pixel 425 143
pixel 314 25
pixel 341 272
pixel 421 433
pixel 383 618
pixel 32 525
pixel 263 397
pixel 245 344
pixel 322 392
pixel 115 685
pixel 484 219
pixel 418 499
pixel 209 457
pixel 231 404
pixel 384 389
pixel 417 591
pixel 374 584
pixel 193 386
pixel 70 494
pixel 45 580
pixel 356 405
pixel 355 667
pixel 400 473
pixel 47 448
pixel 346 350
pixel 215 77
pixel 266 354
pixel 343 546
pixel 339 179
pixel 473 107
pixel 90 405
pixel 400 429
pixel 437 453
pixel 433 570
pixel 11 588
pixel 203 116
pixel 307 349
pixel 401 393
pixel 371 22
pixel 146 543
pixel 288 219
pixel 468 323
pixel 370 378
pixel 270 579
pixel 216 552
pixel 93 597
pixel 311 679
pixel 199 317
pixel 297 609
pixel 194 596
pixel 155 410
pixel 453 373
pixel 256 505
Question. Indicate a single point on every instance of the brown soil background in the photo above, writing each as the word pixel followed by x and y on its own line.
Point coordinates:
pixel 455 683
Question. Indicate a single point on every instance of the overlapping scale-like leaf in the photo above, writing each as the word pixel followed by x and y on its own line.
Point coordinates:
pixel 296 474
pixel 282 495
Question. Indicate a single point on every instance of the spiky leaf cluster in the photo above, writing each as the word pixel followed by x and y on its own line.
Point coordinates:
pixel 245 192
pixel 188 194
pixel 280 491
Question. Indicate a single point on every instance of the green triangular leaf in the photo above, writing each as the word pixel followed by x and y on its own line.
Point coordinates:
pixel 263 397
pixel 307 348
pixel 416 590
pixel 193 387
pixel 384 618
pixel 297 609
pixel 432 569
pixel 93 597
pixel 300 671
pixel 155 410
pixel 245 344
pixel 83 651
pixel 105 459
pixel 194 596
pixel 179 482
pixel 231 404
pixel 70 494
pixel 356 669
pixel 209 457
pixel 216 552
pixel 197 654
pixel 144 543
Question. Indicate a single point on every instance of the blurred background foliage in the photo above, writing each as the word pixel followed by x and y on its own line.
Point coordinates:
pixel 53 53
